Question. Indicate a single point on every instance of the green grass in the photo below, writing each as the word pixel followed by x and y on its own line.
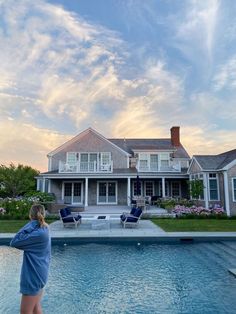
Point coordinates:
pixel 176 225
pixel 12 226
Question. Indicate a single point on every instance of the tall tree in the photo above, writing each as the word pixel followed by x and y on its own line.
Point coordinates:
pixel 17 180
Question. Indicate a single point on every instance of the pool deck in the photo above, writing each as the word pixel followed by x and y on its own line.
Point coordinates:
pixel 146 231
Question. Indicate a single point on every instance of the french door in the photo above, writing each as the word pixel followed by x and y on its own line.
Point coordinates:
pixel 107 192
pixel 72 193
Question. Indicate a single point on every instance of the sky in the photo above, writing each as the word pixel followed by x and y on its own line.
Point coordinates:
pixel 127 68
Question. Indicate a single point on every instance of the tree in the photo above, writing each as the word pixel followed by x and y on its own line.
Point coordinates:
pixel 196 188
pixel 17 180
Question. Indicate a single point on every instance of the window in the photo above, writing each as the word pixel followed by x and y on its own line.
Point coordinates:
pixel 135 192
pixel 154 162
pixel 164 158
pixel 213 187
pixel 143 161
pixel 149 188
pixel 72 192
pixel 107 192
pixel 175 187
pixel 72 157
pixel 234 189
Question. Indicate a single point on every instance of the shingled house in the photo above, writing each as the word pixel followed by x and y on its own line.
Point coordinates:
pixel 91 169
pixel 218 173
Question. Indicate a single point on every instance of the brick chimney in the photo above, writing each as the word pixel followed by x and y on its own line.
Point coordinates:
pixel 175 138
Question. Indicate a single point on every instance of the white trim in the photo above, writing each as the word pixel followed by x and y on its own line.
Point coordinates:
pixel 232 180
pixel 226 192
pixel 128 192
pixel 38 184
pixel 81 135
pixel 194 159
pixel 116 187
pixel 86 193
pixel 230 165
pixel 163 187
pixel 72 191
pixel 205 190
pixel 49 185
pixel 43 184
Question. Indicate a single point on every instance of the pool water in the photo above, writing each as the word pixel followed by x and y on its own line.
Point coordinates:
pixel 112 278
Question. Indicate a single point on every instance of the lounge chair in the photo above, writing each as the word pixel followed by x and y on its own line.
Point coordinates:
pixel 69 219
pixel 131 219
pixel 125 214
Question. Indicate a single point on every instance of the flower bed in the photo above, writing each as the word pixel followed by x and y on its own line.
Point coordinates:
pixel 180 210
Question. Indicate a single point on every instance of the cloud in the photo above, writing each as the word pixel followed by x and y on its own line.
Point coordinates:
pixel 60 73
pixel 27 144
pixel 196 31
pixel 226 75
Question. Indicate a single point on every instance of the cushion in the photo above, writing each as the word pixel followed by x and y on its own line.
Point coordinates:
pixel 63 212
pixel 131 219
pixel 138 212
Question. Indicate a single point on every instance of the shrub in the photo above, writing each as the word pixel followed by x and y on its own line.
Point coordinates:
pixel 15 208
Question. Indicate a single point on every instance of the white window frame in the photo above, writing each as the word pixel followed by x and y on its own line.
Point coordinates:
pixel 145 186
pixel 162 157
pixel 234 193
pixel 107 181
pixel 217 182
pixel 141 187
pixel 198 176
pixel 72 191
pixel 75 159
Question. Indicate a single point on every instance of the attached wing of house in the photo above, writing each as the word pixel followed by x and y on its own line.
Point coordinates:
pixel 218 173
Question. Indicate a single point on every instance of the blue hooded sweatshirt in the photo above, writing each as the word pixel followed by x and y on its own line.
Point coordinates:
pixel 35 241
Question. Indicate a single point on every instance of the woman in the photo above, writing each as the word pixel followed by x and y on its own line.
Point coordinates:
pixel 34 239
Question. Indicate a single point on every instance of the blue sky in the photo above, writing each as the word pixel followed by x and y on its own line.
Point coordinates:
pixel 127 68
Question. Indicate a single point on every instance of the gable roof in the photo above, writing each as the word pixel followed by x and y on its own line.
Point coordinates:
pixel 216 162
pixel 80 136
pixel 130 145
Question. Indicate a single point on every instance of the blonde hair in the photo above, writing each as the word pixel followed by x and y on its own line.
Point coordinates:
pixel 37 212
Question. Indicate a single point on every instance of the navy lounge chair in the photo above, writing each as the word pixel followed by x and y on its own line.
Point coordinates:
pixel 68 218
pixel 125 214
pixel 131 219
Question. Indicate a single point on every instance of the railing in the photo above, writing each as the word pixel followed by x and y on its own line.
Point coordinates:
pixel 85 167
pixel 155 167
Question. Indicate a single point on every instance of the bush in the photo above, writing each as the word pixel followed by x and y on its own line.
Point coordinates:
pixel 41 197
pixel 15 208
pixel 170 203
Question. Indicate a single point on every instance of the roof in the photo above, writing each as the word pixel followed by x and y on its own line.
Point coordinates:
pixel 130 145
pixel 216 162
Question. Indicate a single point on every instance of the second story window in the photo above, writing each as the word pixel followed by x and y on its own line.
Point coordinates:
pixel 72 157
pixel 164 160
pixel 143 161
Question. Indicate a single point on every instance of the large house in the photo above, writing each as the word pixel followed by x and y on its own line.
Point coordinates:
pixel 218 174
pixel 91 169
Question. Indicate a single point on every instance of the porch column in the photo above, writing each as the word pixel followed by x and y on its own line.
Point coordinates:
pixel 86 193
pixel 205 191
pixel 226 192
pixel 49 185
pixel 43 185
pixel 38 184
pixel 163 187
pixel 128 192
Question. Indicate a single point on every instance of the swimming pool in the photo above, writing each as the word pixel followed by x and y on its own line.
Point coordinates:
pixel 112 278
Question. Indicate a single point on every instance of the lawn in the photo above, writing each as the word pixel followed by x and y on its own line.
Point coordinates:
pixel 12 226
pixel 176 225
